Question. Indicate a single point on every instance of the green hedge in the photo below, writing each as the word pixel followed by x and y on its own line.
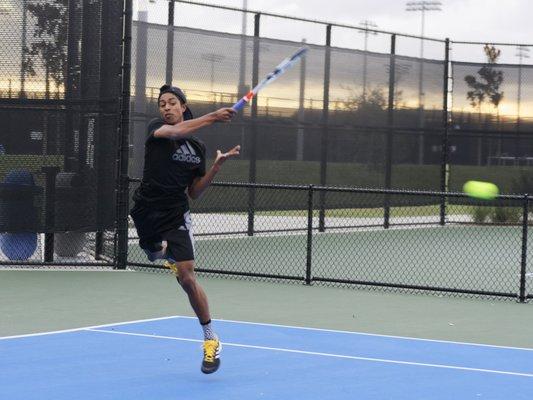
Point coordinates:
pixel 507 178
pixel 416 177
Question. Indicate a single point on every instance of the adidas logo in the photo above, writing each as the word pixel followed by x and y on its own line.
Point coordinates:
pixel 186 154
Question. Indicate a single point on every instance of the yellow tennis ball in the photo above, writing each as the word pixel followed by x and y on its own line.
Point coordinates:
pixel 481 190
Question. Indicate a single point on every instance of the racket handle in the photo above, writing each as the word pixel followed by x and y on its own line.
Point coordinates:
pixel 240 104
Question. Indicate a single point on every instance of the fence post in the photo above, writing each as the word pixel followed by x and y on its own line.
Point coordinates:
pixel 71 85
pixel 309 235
pixel 253 139
pixel 140 103
pixel 170 42
pixel 522 297
pixel 98 245
pixel 107 117
pixel 300 135
pixel 50 213
pixel 390 131
pixel 121 255
pixel 445 146
pixel 243 88
pixel 324 138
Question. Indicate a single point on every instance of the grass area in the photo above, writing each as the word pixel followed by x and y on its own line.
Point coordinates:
pixel 505 177
pixel 404 176
pixel 412 211
pixel 338 174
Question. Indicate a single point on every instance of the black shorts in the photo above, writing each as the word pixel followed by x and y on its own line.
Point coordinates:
pixel 174 226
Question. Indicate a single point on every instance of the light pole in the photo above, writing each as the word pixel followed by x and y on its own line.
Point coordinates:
pixel 300 137
pixel 422 7
pixel 212 58
pixel 367 25
pixel 400 70
pixel 242 89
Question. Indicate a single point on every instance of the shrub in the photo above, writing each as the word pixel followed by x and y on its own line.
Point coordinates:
pixel 506 215
pixel 480 214
pixel 523 183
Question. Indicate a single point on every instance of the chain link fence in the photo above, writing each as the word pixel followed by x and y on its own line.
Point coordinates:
pixel 367 109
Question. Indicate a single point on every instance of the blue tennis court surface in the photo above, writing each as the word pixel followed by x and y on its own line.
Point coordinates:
pixel 160 359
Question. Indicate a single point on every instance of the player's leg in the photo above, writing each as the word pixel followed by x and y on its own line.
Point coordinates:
pixel 153 248
pixel 180 251
pixel 197 297
pixel 199 303
pixel 150 241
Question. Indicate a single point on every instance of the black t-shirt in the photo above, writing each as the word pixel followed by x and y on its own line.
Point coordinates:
pixel 170 166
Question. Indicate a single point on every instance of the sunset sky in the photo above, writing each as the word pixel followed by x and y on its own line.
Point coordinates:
pixel 472 20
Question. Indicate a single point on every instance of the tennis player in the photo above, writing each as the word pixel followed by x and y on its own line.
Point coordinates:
pixel 175 169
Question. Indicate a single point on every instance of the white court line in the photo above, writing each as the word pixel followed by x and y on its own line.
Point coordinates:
pixel 303 232
pixel 275 325
pixel 86 328
pixel 380 360
pixel 369 334
pixel 60 268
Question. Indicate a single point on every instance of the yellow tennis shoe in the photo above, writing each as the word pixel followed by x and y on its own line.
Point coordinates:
pixel 211 361
pixel 172 266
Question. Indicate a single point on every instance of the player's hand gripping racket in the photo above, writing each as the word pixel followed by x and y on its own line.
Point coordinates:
pixel 278 71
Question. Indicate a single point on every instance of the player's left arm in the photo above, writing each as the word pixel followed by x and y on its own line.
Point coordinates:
pixel 199 184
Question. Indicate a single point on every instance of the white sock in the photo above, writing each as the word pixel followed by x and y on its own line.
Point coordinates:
pixel 209 334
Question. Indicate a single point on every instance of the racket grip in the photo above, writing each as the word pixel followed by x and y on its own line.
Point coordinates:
pixel 239 105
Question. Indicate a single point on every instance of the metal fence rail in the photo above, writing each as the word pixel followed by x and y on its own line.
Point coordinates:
pixel 481 248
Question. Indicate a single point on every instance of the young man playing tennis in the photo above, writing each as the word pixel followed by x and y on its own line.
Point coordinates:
pixel 174 169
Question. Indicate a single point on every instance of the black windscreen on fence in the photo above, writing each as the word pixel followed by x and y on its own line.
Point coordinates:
pixel 59 116
pixel 491 130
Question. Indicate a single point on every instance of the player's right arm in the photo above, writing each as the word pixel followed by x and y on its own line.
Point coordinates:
pixel 187 128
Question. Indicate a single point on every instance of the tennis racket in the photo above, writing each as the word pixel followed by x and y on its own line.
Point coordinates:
pixel 283 66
